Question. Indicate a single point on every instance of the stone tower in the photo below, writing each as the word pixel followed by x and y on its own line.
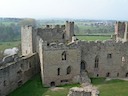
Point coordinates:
pixel 69 31
pixel 121 31
pixel 27 34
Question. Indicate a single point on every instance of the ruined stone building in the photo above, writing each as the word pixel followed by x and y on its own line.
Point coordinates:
pixel 63 59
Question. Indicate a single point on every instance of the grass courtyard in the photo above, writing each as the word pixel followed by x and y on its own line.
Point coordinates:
pixel 107 88
pixel 34 88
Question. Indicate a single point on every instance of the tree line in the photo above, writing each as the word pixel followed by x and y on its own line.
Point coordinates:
pixel 10 31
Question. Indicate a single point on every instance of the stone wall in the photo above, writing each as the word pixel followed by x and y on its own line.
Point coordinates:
pixel 69 29
pixel 16 73
pixel 87 90
pixel 105 59
pixel 59 64
pixel 28 40
pixel 49 34
pixel 121 31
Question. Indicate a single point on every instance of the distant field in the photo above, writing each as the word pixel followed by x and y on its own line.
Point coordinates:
pixel 93 38
pixel 107 88
pixel 5 45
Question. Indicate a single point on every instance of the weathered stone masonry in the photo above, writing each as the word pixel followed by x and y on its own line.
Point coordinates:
pixel 15 73
pixel 62 59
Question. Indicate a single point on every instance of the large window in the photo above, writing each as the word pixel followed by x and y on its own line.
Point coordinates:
pixel 83 65
pixel 64 55
pixel 68 69
pixel 96 62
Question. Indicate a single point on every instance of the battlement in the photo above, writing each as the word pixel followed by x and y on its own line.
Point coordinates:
pixel 105 42
pixel 59 46
pixel 54 26
pixel 103 46
pixel 27 27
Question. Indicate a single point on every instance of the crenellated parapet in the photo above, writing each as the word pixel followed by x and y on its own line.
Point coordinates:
pixel 59 46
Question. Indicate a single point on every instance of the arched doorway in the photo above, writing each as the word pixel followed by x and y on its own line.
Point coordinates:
pixel 83 66
pixel 52 84
pixel 126 74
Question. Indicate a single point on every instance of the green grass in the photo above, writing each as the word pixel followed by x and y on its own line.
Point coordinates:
pixel 107 88
pixel 34 88
pixel 112 87
pixel 5 45
pixel 93 38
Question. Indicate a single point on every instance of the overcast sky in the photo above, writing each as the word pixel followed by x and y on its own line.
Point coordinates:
pixel 79 9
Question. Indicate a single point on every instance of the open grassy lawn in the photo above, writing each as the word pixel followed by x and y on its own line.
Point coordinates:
pixel 93 38
pixel 112 87
pixel 11 44
pixel 107 88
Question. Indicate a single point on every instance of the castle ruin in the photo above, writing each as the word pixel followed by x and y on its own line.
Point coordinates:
pixel 63 59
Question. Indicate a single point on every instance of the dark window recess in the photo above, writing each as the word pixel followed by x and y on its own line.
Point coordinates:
pixel 96 62
pixel 4 83
pixel 109 56
pixel 83 65
pixel 19 72
pixel 63 81
pixel 63 36
pixel 117 74
pixel 126 74
pixel 20 83
pixel 68 69
pixel 108 74
pixel 58 71
pixel 48 44
pixel 52 84
pixel 64 55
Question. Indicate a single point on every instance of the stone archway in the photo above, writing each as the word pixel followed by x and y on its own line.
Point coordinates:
pixel 83 66
pixel 52 84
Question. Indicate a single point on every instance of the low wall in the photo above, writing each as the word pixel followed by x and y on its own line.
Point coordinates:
pixel 16 73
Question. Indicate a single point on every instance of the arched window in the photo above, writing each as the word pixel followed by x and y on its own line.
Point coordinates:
pixel 83 65
pixel 126 74
pixel 64 55
pixel 96 62
pixel 68 69
pixel 108 74
pixel 58 71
